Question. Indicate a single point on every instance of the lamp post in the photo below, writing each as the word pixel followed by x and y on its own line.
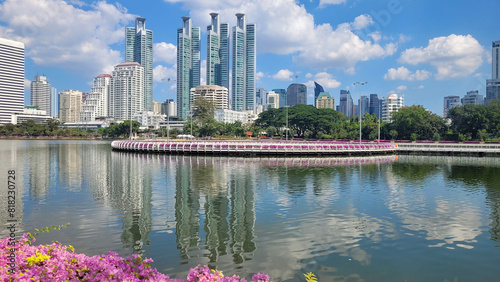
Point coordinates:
pixel 168 80
pixel 379 121
pixel 359 105
pixel 130 114
pixel 287 106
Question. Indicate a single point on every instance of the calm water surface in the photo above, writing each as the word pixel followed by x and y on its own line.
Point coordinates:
pixel 382 218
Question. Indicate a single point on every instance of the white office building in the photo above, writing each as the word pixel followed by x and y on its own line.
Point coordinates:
pixel 273 100
pixel 127 91
pixel 39 116
pixel 11 79
pixel 149 119
pixel 229 116
pixel 217 95
pixel 390 105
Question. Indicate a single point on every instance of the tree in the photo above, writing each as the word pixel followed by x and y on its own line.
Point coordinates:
pixel 203 110
pixel 416 120
pixel 470 119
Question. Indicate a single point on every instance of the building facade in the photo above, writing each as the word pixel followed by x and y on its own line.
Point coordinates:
pixel 217 52
pixel 296 94
pixel 450 102
pixel 363 106
pixel 317 90
pixel 346 105
pixel 229 116
pixel 217 95
pixel 188 64
pixel 273 100
pixel 41 93
pixel 126 90
pixel 325 101
pixel 29 113
pixel 70 105
pixel 261 96
pixel 283 99
pixel 11 79
pixel 390 105
pixel 244 65
pixel 493 84
pixel 375 107
pixel 473 98
pixel 139 48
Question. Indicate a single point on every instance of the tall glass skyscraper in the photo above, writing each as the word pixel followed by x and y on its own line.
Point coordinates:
pixel 244 65
pixel 218 52
pixel 282 94
pixel 139 48
pixel 346 105
pixel 317 90
pixel 296 94
pixel 188 64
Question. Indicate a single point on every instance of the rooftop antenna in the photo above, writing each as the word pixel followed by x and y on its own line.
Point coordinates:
pixel 296 78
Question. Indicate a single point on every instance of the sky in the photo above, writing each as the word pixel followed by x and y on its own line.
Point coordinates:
pixel 422 49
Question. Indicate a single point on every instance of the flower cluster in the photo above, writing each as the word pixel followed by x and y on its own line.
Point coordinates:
pixel 56 262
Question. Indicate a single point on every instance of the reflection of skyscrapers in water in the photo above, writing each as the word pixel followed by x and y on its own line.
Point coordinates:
pixel 131 192
pixel 229 207
pixel 70 166
pixel 39 171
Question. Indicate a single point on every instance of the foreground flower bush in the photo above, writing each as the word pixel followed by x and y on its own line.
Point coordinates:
pixel 56 262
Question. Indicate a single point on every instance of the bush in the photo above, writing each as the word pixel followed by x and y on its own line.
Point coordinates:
pixel 56 262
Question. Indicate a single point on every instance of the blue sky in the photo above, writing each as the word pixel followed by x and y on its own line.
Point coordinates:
pixel 423 49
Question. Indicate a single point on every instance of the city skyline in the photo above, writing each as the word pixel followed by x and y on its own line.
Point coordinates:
pixel 409 48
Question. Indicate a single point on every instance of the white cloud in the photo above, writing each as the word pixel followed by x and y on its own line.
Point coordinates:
pixel 420 87
pixel 259 75
pixel 324 79
pixel 401 88
pixel 309 75
pixel 362 21
pixel 453 56
pixel 165 52
pixel 161 72
pixel 376 36
pixel 59 34
pixel 283 75
pixel 315 46
pixel 403 73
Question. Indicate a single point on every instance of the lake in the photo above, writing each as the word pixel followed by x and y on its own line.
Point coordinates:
pixel 381 218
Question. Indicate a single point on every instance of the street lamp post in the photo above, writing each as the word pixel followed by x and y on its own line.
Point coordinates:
pixel 359 105
pixel 287 106
pixel 168 80
pixel 379 121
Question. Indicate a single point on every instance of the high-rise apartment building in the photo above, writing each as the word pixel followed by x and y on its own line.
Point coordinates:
pixel 96 102
pixel 139 48
pixel 126 91
pixel 70 104
pixel 217 95
pixel 296 94
pixel 473 98
pixel 54 102
pixel 390 105
pixel 317 90
pixel 450 102
pixel 41 93
pixel 493 84
pixel 346 105
pixel 244 65
pixel 188 64
pixel 11 79
pixel 325 101
pixel 363 106
pixel 218 52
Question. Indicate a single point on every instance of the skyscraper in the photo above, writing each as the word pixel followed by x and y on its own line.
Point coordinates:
pixel 218 52
pixel 391 104
pixel 317 90
pixel 363 105
pixel 70 105
pixel 244 65
pixel 375 105
pixel 296 94
pixel 473 98
pixel 493 84
pixel 11 79
pixel 345 105
pixel 188 64
pixel 40 93
pixel 97 100
pixel 127 93
pixel 139 48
